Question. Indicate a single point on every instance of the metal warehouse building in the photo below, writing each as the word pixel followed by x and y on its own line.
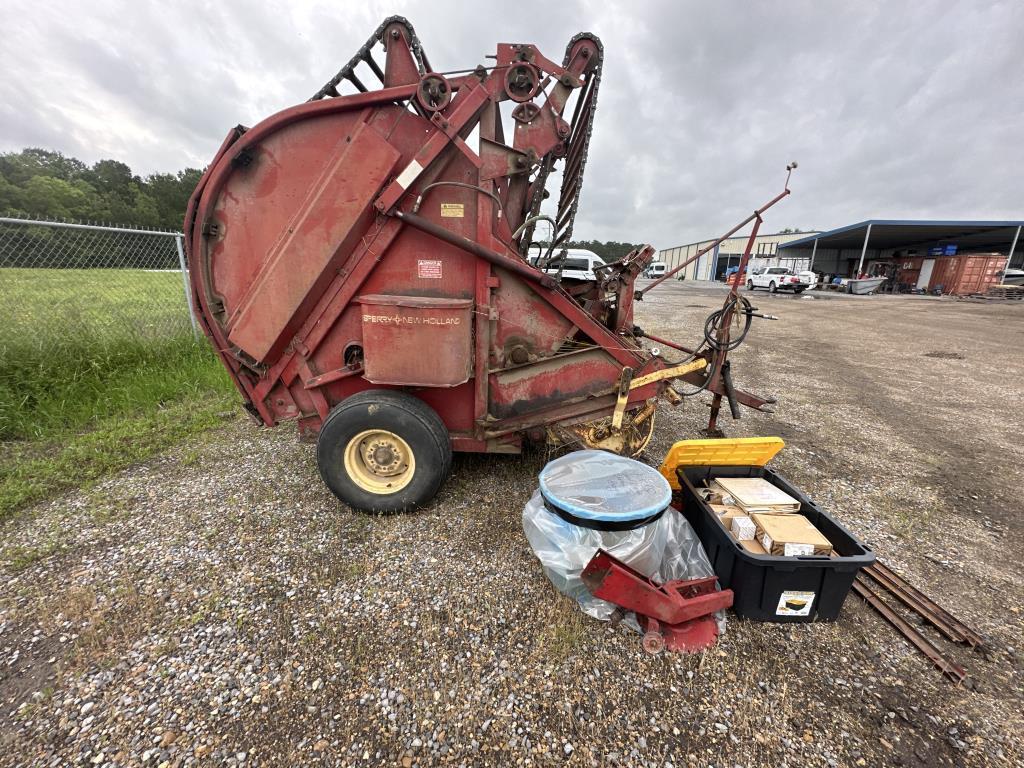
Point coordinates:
pixel 879 246
pixel 713 264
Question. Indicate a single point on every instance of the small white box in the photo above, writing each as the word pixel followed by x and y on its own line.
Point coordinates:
pixel 743 528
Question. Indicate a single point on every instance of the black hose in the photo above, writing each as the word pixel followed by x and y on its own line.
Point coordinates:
pixel 713 324
pixel 711 328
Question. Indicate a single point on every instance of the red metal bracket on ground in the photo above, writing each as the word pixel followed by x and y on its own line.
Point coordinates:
pixel 678 615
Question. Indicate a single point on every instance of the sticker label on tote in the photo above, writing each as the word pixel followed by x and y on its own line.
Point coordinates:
pixel 428 269
pixel 452 210
pixel 795 604
pixel 797 550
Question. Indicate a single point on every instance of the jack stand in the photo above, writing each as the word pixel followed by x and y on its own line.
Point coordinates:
pixel 677 615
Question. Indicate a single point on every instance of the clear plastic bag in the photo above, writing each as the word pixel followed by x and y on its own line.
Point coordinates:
pixel 598 486
pixel 662 550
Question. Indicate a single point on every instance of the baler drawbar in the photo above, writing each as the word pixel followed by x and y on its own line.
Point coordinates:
pixel 364 272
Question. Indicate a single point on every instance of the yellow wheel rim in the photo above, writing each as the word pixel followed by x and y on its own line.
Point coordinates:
pixel 379 461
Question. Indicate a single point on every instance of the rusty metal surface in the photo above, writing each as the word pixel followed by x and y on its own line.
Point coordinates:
pixel 321 231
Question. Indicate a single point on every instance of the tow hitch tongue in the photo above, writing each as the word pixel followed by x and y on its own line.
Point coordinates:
pixel 677 615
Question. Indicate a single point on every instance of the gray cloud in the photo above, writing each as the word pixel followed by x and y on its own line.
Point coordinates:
pixel 892 109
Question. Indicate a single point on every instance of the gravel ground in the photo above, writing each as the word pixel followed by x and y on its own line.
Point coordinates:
pixel 217 606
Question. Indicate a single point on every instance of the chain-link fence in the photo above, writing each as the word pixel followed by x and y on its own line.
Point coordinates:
pixel 105 285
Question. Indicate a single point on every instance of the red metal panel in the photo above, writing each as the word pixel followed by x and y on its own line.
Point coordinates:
pixel 416 340
pixel 324 230
pixel 552 382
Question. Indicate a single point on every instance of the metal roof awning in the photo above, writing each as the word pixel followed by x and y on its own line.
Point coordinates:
pixel 895 233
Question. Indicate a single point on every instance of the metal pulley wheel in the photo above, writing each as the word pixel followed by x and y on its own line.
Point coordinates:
pixel 434 92
pixel 521 81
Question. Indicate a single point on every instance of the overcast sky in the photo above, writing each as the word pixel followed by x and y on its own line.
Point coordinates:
pixel 893 109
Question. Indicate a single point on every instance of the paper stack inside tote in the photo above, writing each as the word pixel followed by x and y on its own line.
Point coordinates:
pixel 754 494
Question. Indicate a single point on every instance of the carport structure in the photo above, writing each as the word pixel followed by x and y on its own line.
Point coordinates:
pixel 847 250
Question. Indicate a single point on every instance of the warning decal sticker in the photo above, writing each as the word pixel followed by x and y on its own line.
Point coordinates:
pixel 795 604
pixel 452 210
pixel 429 269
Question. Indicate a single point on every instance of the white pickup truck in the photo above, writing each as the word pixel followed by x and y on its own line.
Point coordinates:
pixel 777 279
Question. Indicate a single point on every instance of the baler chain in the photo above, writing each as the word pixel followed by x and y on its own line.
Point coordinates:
pixel 569 194
pixel 363 54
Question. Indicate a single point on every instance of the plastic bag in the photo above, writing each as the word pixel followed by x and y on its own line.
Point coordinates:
pixel 665 549
pixel 601 486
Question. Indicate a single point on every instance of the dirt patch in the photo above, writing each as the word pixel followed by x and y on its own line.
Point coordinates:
pixel 227 609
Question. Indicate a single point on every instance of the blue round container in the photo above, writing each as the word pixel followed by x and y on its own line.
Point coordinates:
pixel 604 491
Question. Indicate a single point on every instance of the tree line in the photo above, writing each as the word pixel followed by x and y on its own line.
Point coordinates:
pixel 38 183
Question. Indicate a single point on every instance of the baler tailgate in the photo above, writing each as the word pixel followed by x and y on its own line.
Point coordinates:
pixel 319 236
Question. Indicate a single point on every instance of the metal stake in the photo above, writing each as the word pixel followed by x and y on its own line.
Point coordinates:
pixel 1013 247
pixel 188 290
pixel 863 250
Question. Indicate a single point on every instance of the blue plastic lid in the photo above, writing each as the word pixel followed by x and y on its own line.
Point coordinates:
pixel 601 486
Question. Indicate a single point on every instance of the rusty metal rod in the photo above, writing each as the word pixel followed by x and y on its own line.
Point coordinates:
pixel 924 605
pixel 953 671
pixel 495 258
pixel 755 215
pixel 728 307
pixel 668 343
pixel 946 630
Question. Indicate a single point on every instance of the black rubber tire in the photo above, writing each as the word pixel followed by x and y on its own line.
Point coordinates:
pixel 772 288
pixel 750 285
pixel 798 290
pixel 409 418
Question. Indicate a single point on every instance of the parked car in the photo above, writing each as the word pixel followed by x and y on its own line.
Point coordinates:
pixel 656 269
pixel 809 277
pixel 777 279
pixel 577 264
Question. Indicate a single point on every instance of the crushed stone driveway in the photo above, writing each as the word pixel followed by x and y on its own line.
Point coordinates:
pixel 217 606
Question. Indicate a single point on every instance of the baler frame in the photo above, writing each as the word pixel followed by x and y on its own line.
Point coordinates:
pixel 274 282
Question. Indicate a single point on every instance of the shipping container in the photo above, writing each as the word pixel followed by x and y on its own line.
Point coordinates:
pixel 966 273
pixel 908 270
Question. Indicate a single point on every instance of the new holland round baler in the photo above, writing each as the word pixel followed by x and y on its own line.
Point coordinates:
pixel 366 266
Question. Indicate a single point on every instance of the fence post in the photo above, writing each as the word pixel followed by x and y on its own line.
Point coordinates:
pixel 184 282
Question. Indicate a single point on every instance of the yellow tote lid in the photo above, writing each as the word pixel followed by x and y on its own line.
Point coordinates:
pixel 724 452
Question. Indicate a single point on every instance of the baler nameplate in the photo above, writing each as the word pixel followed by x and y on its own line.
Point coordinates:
pixel 298 266
pixel 399 330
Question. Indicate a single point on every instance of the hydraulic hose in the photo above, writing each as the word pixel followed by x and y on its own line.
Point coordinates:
pixel 713 324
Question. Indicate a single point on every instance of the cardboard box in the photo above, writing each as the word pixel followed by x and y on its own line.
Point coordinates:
pixel 755 494
pixel 721 509
pixel 753 546
pixel 727 517
pixel 742 528
pixel 790 535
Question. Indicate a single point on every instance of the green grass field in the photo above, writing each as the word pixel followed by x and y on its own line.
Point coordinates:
pixel 98 369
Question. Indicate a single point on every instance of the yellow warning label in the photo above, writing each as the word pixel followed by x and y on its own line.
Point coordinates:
pixel 452 210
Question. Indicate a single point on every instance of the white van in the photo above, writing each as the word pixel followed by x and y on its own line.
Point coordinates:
pixel 655 269
pixel 577 264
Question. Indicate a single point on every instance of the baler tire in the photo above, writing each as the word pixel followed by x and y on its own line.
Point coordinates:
pixel 408 418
